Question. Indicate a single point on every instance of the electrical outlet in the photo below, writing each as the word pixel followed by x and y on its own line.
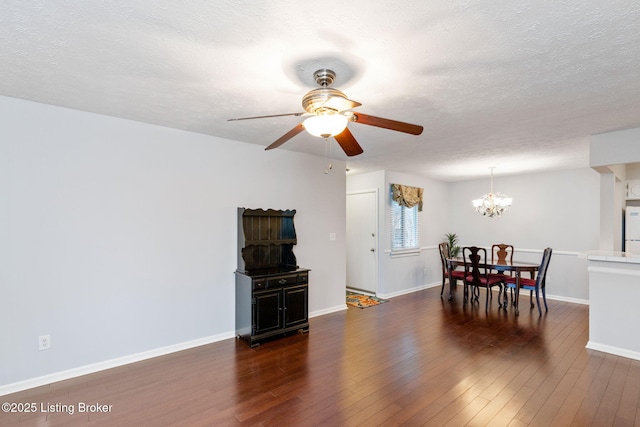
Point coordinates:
pixel 44 342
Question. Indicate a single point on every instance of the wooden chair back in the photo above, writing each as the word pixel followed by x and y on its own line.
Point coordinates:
pixel 444 253
pixel 474 260
pixel 501 253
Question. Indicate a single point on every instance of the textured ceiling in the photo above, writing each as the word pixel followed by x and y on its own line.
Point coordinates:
pixel 515 85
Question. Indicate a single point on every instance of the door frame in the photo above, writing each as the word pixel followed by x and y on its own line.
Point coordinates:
pixel 376 216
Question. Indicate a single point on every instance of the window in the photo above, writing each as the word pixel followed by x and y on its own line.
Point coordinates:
pixel 404 226
pixel 406 202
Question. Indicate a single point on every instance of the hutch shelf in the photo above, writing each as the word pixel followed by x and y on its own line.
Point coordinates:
pixel 272 292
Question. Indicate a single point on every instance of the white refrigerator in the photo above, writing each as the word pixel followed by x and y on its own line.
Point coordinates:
pixel 632 229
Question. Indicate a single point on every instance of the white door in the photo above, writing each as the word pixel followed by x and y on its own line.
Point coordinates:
pixel 362 238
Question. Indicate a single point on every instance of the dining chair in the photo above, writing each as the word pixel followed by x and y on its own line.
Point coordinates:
pixel 451 275
pixel 477 275
pixel 502 253
pixel 534 285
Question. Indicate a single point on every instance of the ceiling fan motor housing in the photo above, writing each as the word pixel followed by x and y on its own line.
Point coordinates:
pixel 314 101
pixel 324 77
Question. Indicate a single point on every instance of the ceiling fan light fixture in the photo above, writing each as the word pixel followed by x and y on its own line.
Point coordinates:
pixel 326 125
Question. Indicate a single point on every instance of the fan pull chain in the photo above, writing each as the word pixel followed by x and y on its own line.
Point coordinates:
pixel 327 155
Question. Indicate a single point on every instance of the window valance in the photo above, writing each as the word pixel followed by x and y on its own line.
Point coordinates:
pixel 407 196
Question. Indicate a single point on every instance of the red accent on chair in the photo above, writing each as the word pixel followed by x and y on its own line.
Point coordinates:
pixel 477 274
pixel 537 284
pixel 453 274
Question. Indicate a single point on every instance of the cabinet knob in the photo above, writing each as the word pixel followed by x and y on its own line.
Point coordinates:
pixel 282 281
pixel 373 250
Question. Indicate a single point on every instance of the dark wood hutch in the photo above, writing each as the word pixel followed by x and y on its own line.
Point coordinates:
pixel 272 292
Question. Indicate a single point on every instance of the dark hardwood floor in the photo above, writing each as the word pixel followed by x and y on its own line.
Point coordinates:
pixel 416 360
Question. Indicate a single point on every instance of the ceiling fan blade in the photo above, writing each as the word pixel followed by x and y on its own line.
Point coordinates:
pixel 287 136
pixel 387 124
pixel 265 117
pixel 348 143
pixel 339 103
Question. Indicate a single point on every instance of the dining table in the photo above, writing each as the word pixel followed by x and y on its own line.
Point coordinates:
pixel 517 267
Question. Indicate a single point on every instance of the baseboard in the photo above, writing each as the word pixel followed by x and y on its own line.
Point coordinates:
pixel 565 299
pixel 108 364
pixel 328 310
pixel 613 350
pixel 410 290
pixel 522 292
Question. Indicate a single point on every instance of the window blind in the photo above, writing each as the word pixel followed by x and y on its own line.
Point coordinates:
pixel 404 226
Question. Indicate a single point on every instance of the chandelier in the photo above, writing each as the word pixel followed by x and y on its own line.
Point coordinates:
pixel 492 204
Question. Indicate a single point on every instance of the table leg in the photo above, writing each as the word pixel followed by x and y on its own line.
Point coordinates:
pixel 505 298
pixel 451 282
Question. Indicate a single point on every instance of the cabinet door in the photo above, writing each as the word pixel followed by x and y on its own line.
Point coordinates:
pixel 295 303
pixel 267 311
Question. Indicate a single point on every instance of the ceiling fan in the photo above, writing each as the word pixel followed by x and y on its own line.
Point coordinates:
pixel 329 112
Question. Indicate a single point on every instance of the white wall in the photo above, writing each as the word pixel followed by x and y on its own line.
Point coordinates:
pixel 615 156
pixel 612 148
pixel 119 238
pixel 557 209
pixel 632 171
pixel 407 273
